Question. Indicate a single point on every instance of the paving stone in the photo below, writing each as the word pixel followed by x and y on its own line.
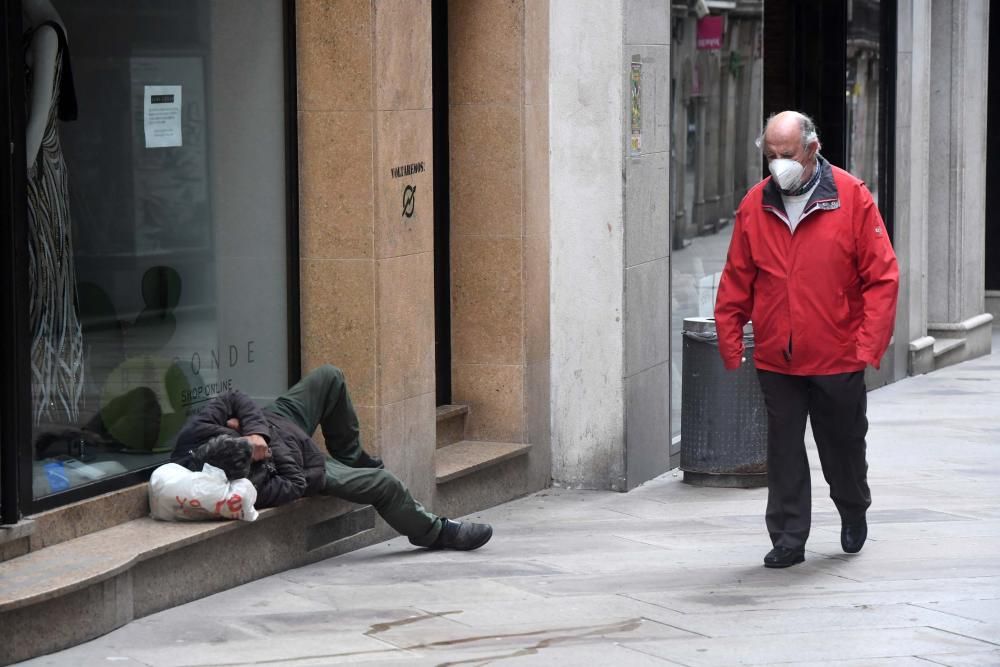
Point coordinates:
pixel 808 592
pixel 991 659
pixel 905 661
pixel 331 647
pixel 753 622
pixel 602 654
pixel 926 568
pixel 577 610
pixel 987 611
pixel 415 593
pixel 821 645
pixel 506 636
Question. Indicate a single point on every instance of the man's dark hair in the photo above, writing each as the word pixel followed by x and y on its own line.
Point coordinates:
pixel 231 454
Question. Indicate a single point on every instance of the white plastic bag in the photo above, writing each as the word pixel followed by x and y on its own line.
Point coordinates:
pixel 178 494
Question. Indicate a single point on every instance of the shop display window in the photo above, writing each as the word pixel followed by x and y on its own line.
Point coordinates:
pixel 157 213
pixel 717 104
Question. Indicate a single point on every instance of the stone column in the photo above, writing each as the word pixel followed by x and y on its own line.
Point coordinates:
pixel 366 220
pixel 647 249
pixel 610 243
pixel 956 205
pixel 913 351
pixel 587 237
pixel 404 240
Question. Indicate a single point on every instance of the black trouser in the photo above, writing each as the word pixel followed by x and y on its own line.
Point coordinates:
pixel 836 406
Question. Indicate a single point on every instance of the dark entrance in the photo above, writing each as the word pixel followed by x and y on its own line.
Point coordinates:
pixel 442 199
pixel 835 61
pixel 992 146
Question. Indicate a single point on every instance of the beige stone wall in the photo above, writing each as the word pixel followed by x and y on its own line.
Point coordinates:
pixel 365 107
pixel 364 78
pixel 498 73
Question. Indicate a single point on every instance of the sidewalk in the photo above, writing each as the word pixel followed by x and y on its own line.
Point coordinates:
pixel 668 574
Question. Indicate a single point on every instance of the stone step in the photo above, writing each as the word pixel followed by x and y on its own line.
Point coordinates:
pixel 467 456
pixel 86 586
pixel 948 351
pixel 943 346
pixel 451 424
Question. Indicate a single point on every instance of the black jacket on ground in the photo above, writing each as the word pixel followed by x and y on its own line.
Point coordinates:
pixel 296 466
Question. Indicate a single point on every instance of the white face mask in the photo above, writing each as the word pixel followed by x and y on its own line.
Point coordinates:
pixel 788 173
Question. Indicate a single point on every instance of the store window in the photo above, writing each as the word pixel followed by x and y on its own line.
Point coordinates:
pixel 717 108
pixel 864 101
pixel 157 213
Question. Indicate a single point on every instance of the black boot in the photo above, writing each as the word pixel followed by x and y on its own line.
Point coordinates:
pixel 368 461
pixel 853 535
pixel 462 535
pixel 784 557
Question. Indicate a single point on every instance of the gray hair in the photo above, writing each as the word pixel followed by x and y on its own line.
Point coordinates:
pixel 805 122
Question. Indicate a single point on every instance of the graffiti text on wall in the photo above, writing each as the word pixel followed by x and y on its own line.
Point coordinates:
pixel 407 169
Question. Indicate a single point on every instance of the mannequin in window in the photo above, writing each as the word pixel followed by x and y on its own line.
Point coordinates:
pixel 56 337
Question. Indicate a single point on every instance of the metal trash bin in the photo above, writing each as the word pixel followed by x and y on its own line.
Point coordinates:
pixel 723 418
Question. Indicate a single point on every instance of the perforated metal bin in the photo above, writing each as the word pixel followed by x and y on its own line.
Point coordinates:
pixel 723 418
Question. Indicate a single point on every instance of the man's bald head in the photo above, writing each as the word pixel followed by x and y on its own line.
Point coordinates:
pixel 786 126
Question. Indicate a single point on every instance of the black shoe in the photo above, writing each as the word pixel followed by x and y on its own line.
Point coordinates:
pixel 784 557
pixel 853 535
pixel 368 461
pixel 462 535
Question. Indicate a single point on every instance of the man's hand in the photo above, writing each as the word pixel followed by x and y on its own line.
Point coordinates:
pixel 260 449
pixel 732 366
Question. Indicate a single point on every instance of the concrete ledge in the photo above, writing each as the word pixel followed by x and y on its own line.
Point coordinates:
pixel 946 345
pixel 450 424
pixel 79 589
pixel 976 331
pixel 15 539
pixel 17 531
pixel 466 457
pixel 920 358
pixel 965 326
pixel 90 515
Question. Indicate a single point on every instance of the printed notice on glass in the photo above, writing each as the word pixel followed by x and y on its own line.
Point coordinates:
pixel 161 107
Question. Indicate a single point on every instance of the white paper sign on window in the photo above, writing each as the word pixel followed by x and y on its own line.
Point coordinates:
pixel 161 108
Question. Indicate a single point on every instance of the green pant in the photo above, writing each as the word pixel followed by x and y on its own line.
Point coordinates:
pixel 321 399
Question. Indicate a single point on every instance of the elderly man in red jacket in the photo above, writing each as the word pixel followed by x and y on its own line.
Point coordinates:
pixel 810 263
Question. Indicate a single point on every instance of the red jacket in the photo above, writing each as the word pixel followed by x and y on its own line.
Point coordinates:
pixel 822 300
